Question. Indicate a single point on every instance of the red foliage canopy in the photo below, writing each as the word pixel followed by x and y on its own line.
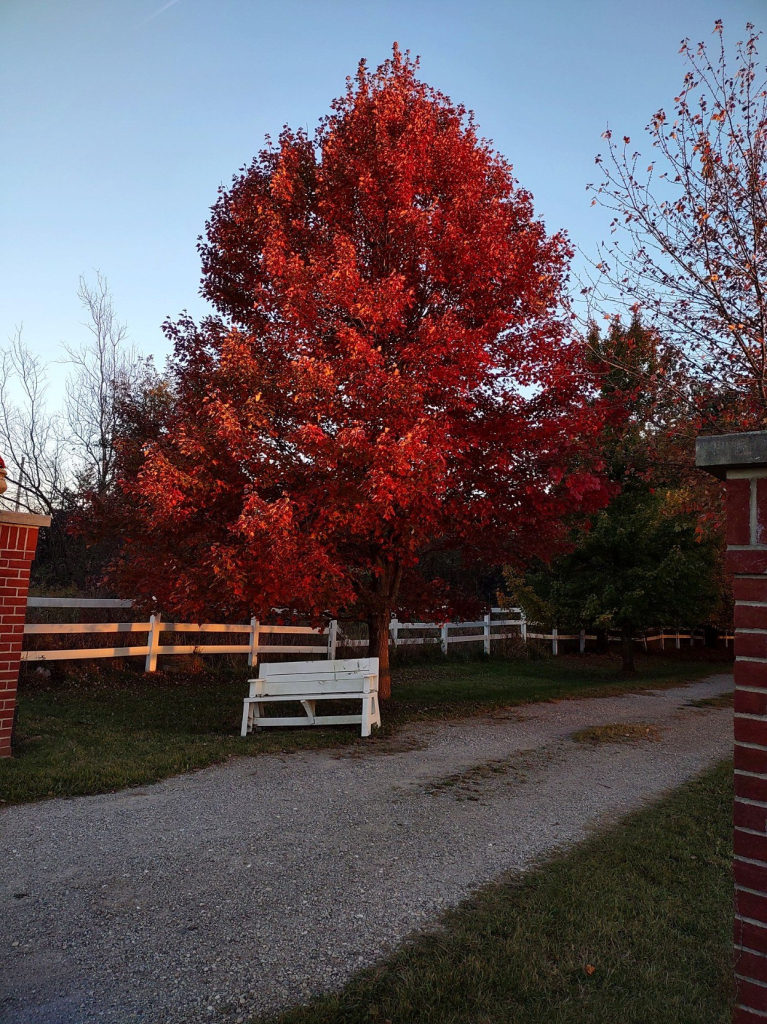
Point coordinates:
pixel 390 374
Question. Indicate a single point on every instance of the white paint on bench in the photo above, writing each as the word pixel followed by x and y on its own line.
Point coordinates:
pixel 309 681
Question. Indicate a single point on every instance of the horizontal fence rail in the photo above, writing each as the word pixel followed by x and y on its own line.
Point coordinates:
pixel 258 638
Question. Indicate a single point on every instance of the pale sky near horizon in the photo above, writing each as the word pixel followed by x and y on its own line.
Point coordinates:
pixel 120 119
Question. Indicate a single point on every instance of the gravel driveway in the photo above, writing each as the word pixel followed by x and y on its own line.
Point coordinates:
pixel 249 886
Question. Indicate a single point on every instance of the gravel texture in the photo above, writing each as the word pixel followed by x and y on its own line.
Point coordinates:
pixel 249 886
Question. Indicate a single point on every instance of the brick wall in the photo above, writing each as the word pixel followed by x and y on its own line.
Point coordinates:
pixel 17 550
pixel 747 560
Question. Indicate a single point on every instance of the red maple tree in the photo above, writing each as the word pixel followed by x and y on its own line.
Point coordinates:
pixel 390 375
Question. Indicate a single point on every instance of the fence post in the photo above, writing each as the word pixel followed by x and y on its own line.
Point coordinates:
pixel 153 642
pixel 644 640
pixel 332 639
pixel 554 640
pixel 582 642
pixel 254 637
pixel 677 640
pixel 443 637
pixel 394 630
pixel 486 633
pixel 523 627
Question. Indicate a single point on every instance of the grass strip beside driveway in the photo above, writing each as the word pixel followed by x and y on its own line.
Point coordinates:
pixel 98 731
pixel 634 926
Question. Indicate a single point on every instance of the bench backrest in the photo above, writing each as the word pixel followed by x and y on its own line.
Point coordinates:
pixel 352 675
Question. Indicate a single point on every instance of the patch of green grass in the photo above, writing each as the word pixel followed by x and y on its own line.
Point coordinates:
pixel 634 926
pixel 123 730
pixel 104 730
pixel 619 732
pixel 455 688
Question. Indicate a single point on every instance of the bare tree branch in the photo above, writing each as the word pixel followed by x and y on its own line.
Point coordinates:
pixel 32 439
pixel 102 368
pixel 689 233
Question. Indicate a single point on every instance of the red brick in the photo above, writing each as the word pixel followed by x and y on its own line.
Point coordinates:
pixel 751 995
pixel 751 935
pixel 9 619
pixel 761 511
pixel 747 673
pixel 740 1015
pixel 752 876
pixel 750 702
pixel 750 645
pixel 751 965
pixel 20 565
pixel 749 616
pixel 751 846
pixel 748 759
pixel 747 904
pixel 738 511
pixel 750 816
pixel 746 589
pixel 753 560
pixel 750 730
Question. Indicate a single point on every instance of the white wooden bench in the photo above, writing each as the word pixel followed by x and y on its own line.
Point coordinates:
pixel 310 681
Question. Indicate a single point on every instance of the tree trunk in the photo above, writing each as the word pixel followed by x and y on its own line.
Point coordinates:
pixel 627 651
pixel 711 635
pixel 378 647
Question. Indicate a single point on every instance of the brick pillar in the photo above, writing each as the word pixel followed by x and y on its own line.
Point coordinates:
pixel 18 540
pixel 741 461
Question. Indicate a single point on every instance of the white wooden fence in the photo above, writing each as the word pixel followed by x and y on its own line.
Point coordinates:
pixel 260 637
pixel 444 635
pixel 257 634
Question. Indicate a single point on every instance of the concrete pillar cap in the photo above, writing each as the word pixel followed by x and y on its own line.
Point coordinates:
pixel 717 453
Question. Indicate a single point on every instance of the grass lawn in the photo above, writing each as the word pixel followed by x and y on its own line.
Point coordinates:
pixel 97 731
pixel 633 926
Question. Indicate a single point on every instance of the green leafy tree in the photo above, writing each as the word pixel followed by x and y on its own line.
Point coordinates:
pixel 652 557
pixel 642 564
pixel 647 399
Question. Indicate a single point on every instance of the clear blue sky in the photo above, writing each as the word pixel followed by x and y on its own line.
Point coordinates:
pixel 119 119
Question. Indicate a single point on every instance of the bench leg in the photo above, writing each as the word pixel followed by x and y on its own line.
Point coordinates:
pixel 247 717
pixel 309 706
pixel 376 716
pixel 367 707
pixel 251 717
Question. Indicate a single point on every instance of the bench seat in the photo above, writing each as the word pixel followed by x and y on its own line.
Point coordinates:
pixel 306 682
